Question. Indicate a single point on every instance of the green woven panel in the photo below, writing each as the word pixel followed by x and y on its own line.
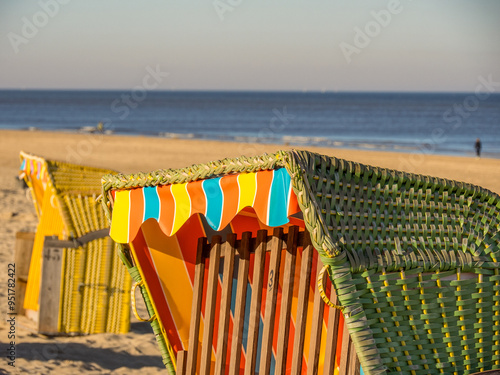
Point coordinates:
pixel 413 260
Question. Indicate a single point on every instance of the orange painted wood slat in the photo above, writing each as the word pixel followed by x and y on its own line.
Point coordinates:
pixel 239 313
pixel 225 304
pixel 211 295
pixel 303 298
pixel 194 331
pixel 286 299
pixel 331 335
pixel 271 298
pixel 317 325
pixel 258 279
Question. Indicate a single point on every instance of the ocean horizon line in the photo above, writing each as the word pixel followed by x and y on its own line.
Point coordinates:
pixel 257 91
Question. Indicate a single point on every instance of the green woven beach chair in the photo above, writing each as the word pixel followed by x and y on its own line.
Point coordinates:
pixel 413 259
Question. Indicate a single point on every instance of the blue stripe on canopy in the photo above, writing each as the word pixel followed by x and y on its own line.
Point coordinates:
pixel 278 201
pixel 151 203
pixel 214 199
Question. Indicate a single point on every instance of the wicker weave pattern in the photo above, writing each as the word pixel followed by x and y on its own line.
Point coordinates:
pixel 194 172
pixel 94 285
pixel 77 188
pixel 413 258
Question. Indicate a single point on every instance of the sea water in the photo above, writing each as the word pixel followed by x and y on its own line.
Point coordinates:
pixel 431 123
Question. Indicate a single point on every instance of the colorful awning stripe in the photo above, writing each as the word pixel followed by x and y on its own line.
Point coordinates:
pixel 34 167
pixel 218 199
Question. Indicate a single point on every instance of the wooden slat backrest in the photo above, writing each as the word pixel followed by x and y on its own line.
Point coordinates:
pixel 286 298
pixel 239 312
pixel 181 362
pixel 317 322
pixel 303 298
pixel 331 336
pixel 196 308
pixel 271 298
pixel 225 304
pixel 258 280
pixel 213 275
pixel 240 265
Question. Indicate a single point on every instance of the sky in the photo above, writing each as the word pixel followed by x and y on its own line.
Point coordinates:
pixel 310 45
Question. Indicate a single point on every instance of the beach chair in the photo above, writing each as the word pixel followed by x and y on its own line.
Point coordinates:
pixel 75 283
pixel 412 260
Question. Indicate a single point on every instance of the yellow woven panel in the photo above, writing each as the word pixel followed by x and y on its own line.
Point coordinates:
pixel 95 286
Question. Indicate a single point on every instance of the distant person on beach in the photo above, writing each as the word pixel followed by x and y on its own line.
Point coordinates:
pixel 478 147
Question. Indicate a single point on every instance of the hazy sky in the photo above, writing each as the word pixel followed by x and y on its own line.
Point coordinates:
pixel 424 45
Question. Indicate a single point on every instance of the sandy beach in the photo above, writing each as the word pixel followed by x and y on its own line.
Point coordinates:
pixel 136 352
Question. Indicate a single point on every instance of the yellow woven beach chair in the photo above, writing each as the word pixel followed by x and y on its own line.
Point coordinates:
pixel 91 293
pixel 413 259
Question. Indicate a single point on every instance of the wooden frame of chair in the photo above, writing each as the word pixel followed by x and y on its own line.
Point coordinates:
pixel 191 361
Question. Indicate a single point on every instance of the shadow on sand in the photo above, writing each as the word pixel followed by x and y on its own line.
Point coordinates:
pixel 106 358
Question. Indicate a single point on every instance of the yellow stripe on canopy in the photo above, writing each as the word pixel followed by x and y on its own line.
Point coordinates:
pixel 248 186
pixel 182 205
pixel 120 220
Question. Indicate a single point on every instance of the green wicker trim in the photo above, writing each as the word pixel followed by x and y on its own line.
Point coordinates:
pixel 313 218
pixel 193 173
pixel 155 324
pixel 308 169
pixel 357 172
